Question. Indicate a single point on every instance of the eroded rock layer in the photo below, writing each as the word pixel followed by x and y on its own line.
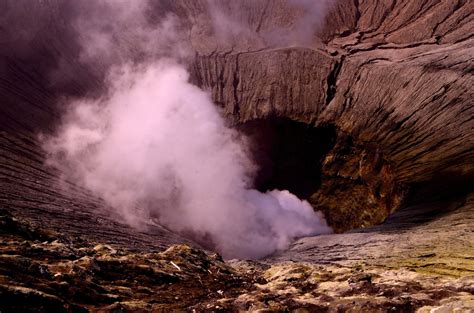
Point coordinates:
pixel 396 81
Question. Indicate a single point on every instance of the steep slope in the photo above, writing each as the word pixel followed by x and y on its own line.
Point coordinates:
pixel 396 82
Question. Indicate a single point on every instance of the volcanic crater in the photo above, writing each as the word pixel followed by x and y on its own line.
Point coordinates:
pixel 370 119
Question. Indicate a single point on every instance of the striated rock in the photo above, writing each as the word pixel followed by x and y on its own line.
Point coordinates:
pixel 392 77
pixel 395 81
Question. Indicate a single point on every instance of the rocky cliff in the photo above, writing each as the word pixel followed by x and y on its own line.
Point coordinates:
pixel 393 77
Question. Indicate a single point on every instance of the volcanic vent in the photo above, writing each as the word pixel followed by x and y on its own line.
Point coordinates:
pixel 289 154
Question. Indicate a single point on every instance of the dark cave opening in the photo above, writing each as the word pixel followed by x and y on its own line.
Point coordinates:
pixel 289 153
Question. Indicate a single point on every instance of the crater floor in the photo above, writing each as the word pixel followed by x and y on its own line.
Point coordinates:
pixel 420 265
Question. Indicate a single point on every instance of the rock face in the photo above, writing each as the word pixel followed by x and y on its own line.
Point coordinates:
pixel 383 91
pixel 392 77
pixel 395 79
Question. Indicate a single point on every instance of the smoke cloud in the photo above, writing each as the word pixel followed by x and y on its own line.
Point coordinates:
pixel 292 22
pixel 158 148
pixel 154 146
pixel 114 32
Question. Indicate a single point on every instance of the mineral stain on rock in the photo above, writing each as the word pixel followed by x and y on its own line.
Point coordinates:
pixel 369 118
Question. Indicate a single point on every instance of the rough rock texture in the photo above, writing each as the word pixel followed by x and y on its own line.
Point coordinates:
pixel 392 78
pixel 429 238
pixel 62 274
pixel 36 193
pixel 43 271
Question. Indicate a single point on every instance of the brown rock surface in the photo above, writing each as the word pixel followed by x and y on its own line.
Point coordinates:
pixel 399 86
pixel 42 271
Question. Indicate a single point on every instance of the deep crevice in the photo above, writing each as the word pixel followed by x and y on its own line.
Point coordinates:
pixel 289 154
pixel 332 80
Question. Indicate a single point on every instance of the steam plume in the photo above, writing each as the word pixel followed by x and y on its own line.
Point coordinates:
pixel 234 21
pixel 155 147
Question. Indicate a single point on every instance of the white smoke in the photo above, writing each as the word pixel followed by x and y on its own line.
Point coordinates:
pixel 114 32
pixel 156 147
pixel 301 21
